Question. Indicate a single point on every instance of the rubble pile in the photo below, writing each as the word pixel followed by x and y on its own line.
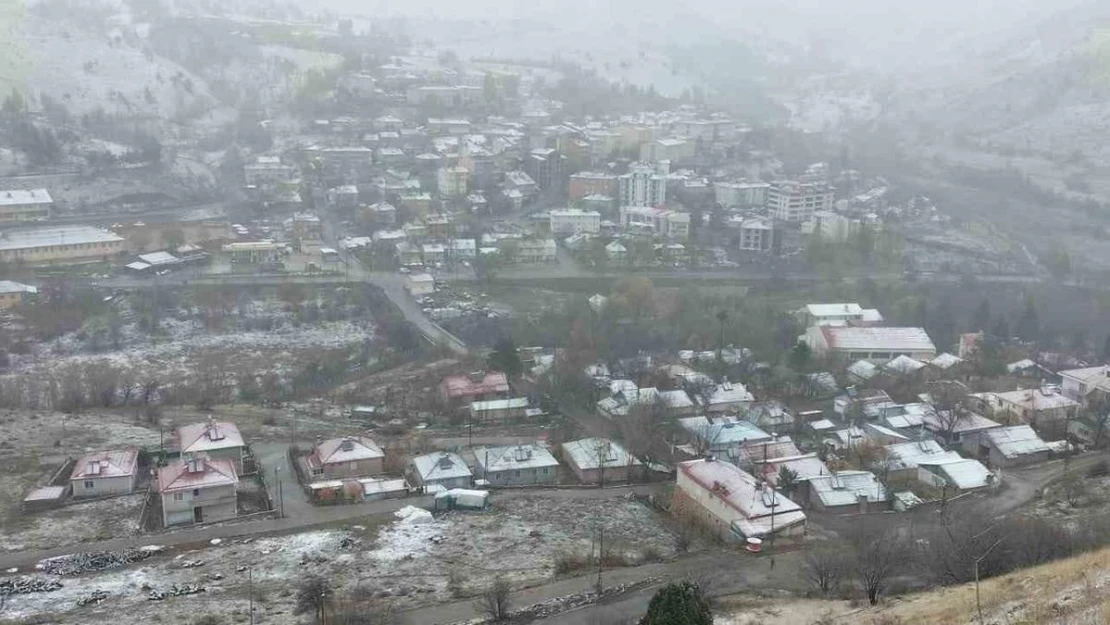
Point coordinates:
pixel 96 597
pixel 176 591
pixel 77 563
pixel 28 585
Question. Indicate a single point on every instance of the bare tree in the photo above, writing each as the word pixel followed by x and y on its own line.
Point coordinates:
pixel 824 567
pixel 314 595
pixel 877 555
pixel 494 601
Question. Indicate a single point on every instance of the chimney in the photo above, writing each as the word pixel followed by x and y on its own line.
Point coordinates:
pixel 477 376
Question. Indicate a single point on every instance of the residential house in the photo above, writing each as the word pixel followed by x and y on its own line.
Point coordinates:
pixel 678 403
pixel 1082 384
pixel 756 234
pixel 452 181
pixel 883 435
pixel 660 222
pixel 875 344
pixel 105 473
pixel 459 390
pixel 462 249
pixel 215 440
pixel 727 397
pixel 14 293
pixel 750 456
pixel 196 489
pixel 722 437
pixel 1012 446
pixel 902 459
pixel 600 461
pixel 409 254
pixel 956 475
pixel 1038 407
pixel 536 251
pixel 438 471
pixel 616 252
pixel 625 397
pixel 733 504
pixel 499 410
pixel 959 428
pixel 844 439
pixel 516 465
pixel 421 284
pixel 433 253
pixel 848 492
pixel 349 456
pixel 771 415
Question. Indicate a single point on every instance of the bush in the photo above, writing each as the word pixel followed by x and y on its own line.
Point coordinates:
pixel 681 603
pixel 1099 469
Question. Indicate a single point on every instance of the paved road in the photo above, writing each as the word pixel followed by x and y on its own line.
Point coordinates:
pixel 728 571
pixel 313 517
pixel 291 498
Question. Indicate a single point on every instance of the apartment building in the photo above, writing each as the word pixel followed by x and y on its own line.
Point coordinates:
pixel 797 201
pixel 643 185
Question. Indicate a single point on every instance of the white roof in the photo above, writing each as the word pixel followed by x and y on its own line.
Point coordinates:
pixel 463 244
pixel 904 365
pixel 208 436
pixel 1037 399
pixel 724 432
pixel 421 278
pixel 513 457
pixel 822 424
pixel 963 473
pixel 55 235
pixel 729 393
pixel 872 315
pixel 158 258
pixel 846 487
pixel 17 197
pixel 616 247
pixel 592 453
pixel 8 286
pixel 909 455
pixel 805 466
pixel 137 266
pixel 676 399
pixel 863 370
pixel 347 449
pixel 852 338
pixel 499 404
pixel 1020 365
pixel 758 509
pixel 573 212
pixel 1016 440
pixel 946 361
pixel 440 465
pixel 834 310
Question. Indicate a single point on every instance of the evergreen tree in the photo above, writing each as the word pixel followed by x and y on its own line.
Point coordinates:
pixel 1001 329
pixel 505 358
pixel 981 321
pixel 681 603
pixel 1029 325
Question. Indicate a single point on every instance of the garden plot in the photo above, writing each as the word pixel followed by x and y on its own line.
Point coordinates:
pixel 415 559
pixel 72 524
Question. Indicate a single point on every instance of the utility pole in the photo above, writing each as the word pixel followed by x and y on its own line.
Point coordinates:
pixel 600 553
pixel 250 591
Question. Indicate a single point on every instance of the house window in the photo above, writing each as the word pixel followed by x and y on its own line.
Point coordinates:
pixel 179 496
pixel 196 493
pixel 516 474
pixel 317 471
pixel 545 470
pixel 90 484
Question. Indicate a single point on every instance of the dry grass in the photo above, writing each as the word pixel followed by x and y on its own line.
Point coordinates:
pixel 1073 591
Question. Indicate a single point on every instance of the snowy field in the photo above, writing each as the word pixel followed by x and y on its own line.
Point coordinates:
pixel 80 522
pixel 406 562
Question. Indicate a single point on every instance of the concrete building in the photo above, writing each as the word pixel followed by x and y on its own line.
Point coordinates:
pixel 1082 384
pixel 452 181
pixel 215 440
pixel 545 166
pixel 733 504
pixel 1037 407
pixel 741 194
pixel 756 235
pixel 797 201
pixel 956 475
pixel 421 284
pixel 516 465
pixel 584 184
pixel 672 149
pixel 1012 446
pixel 831 226
pixel 255 252
pixel 438 471
pixel 448 126
pixel 600 461
pixel 566 221
pixel 198 490
pixel 15 293
pixel 59 244
pixel 875 344
pixel 267 172
pixel 536 251
pixel 105 473
pixel 477 386
pixel 643 185
pixel 723 436
pixel 17 206
pixel 349 456
pixel 658 221
pixel 346 164
pixel 839 314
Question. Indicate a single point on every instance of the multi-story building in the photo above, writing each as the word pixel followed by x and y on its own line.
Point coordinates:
pixel 33 205
pixel 480 163
pixel 643 185
pixel 574 220
pixel 756 235
pixel 584 184
pixel 349 164
pixel 197 489
pixel 670 149
pixel 59 244
pixel 266 172
pixel 706 129
pixel 797 201
pixel 452 181
pixel 545 166
pixel 450 126
pixel 661 222
pixel 741 194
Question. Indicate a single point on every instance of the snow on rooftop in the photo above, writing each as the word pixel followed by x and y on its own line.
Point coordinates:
pixel 55 235
pixel 1016 440
pixel 512 458
pixel 16 197
pixel 592 453
pixel 878 338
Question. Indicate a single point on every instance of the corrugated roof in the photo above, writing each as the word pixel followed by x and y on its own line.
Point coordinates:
pixel 499 404
pixel 963 473
pixel 910 455
pixel 846 487
pixel 208 435
pixel 512 458
pixel 835 310
pixel 55 235
pixel 16 197
pixel 346 449
pixel 462 386
pixel 900 339
pixel 593 453
pixel 1016 440
pixel 723 432
pixel 741 492
pixel 106 464
pixel 440 466
pixel 177 476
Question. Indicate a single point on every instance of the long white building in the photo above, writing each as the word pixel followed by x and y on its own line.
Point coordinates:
pixel 797 201
pixel 574 220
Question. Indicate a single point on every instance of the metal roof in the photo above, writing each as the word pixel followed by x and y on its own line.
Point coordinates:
pixel 723 432
pixel 8 286
pixel 834 310
pixel 499 404
pixel 1016 440
pixel 440 466
pixel 106 464
pixel 593 453
pixel 208 435
pixel 963 473
pixel 909 455
pixel 846 487
pixel 512 458
pixel 16 197
pixel 208 473
pixel 758 508
pixel 55 235
pixel 880 338
pixel 346 449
